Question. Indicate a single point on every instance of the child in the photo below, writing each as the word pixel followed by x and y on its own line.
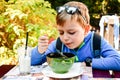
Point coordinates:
pixel 73 24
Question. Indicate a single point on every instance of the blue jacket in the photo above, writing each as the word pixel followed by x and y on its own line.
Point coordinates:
pixel 110 58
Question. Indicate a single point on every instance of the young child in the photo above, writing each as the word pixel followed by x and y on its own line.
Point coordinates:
pixel 73 24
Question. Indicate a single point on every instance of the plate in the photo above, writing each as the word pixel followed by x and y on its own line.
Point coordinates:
pixel 74 71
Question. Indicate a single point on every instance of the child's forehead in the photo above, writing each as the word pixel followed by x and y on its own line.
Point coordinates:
pixel 70 24
pixel 70 20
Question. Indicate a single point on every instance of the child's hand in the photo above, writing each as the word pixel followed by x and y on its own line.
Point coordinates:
pixel 43 44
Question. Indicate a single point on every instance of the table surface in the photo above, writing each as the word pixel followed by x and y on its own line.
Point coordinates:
pixel 10 72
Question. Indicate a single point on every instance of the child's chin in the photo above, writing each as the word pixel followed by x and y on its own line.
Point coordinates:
pixel 70 47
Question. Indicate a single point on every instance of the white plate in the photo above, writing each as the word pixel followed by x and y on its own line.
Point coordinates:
pixel 75 70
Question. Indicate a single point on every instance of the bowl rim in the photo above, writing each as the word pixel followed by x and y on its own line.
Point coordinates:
pixel 57 55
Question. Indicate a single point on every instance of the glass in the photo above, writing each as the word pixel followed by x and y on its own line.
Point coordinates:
pixel 24 59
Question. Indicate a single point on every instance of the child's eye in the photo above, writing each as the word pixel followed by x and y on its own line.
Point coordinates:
pixel 61 33
pixel 71 33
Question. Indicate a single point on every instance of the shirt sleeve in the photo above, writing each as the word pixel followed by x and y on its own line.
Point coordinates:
pixel 110 59
pixel 36 57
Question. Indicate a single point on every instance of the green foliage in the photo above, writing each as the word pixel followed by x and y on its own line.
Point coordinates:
pixel 20 16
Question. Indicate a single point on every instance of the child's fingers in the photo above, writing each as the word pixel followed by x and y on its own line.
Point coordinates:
pixel 43 44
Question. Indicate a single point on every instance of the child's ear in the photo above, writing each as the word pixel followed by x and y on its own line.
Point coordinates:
pixel 87 29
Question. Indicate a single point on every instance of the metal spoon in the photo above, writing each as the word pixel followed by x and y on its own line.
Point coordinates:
pixel 64 56
pixel 61 53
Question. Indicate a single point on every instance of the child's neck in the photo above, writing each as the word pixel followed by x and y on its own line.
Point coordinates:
pixel 76 49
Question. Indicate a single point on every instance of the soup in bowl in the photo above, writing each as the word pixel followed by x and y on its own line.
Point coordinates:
pixel 60 64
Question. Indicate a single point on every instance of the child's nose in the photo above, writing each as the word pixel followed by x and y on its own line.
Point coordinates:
pixel 65 37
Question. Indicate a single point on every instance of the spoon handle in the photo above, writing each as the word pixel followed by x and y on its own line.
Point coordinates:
pixel 61 53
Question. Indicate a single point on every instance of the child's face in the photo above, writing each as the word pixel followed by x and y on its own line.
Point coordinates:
pixel 72 34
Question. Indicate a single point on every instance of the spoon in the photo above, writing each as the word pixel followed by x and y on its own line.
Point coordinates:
pixel 64 56
pixel 61 53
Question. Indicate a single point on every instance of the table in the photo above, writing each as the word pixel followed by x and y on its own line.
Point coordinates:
pixel 4 69
pixel 89 74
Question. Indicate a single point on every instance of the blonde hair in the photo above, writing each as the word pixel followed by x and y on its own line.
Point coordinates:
pixel 82 18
